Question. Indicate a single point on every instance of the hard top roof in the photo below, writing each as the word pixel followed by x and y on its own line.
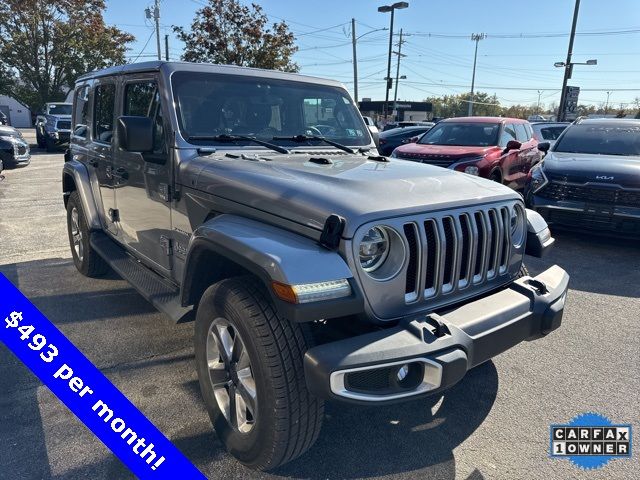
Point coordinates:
pixel 170 67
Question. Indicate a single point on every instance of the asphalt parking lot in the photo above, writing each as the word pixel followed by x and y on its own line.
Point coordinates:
pixel 494 424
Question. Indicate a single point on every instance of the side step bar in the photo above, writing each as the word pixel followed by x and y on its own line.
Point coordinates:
pixel 155 289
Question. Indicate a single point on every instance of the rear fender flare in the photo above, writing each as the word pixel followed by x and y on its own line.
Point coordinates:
pixel 75 177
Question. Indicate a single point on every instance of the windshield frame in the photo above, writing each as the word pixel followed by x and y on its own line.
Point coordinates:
pixel 558 142
pixel 365 140
pixel 495 141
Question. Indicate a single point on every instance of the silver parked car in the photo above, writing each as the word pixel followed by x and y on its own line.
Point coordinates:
pixel 254 202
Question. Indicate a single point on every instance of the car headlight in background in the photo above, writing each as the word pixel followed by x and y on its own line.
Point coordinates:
pixel 538 178
pixel 472 170
pixel 517 225
pixel 381 252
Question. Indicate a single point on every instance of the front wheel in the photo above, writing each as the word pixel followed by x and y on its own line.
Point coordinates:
pixel 85 258
pixel 250 369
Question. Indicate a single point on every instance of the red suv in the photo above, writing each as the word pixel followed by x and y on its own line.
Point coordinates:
pixel 501 149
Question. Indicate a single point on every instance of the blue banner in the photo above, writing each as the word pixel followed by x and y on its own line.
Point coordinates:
pixel 86 391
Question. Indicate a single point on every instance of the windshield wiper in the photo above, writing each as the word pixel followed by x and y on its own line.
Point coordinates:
pixel 235 138
pixel 305 138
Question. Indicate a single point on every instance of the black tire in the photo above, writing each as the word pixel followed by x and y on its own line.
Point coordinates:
pixel 39 139
pixel 86 260
pixel 50 145
pixel 288 418
pixel 523 271
pixel 495 176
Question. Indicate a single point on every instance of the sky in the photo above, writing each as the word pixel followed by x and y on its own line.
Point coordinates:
pixel 515 59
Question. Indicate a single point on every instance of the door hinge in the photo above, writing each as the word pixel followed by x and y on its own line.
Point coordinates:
pixel 166 244
pixel 114 215
pixel 167 193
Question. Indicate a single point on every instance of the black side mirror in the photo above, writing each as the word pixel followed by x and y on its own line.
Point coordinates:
pixel 544 146
pixel 135 134
pixel 513 145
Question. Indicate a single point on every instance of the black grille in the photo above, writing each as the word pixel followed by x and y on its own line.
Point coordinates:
pixel 412 268
pixel 449 251
pixel 481 242
pixel 437 160
pixel 63 125
pixel 432 235
pixel 610 195
pixel 466 246
pixel 593 222
pixel 370 380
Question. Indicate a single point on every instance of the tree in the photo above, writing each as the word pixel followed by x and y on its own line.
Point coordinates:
pixel 227 32
pixel 47 44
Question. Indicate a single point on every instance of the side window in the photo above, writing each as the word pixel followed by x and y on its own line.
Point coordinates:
pixel 521 133
pixel 143 100
pixel 104 102
pixel 81 111
pixel 508 133
pixel 529 130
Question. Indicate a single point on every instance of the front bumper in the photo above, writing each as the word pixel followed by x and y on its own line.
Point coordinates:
pixel 60 137
pixel 441 348
pixel 591 216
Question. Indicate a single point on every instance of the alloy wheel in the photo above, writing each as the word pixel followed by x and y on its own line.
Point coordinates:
pixel 231 375
pixel 76 234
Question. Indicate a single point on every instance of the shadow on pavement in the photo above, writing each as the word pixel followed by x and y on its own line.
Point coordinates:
pixel 596 263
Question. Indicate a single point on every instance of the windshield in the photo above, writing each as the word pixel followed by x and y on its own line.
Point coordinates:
pixel 549 133
pixel 209 104
pixel 470 134
pixel 600 139
pixel 60 109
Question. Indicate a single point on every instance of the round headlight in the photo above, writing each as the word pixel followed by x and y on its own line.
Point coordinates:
pixel 374 249
pixel 517 225
pixel 472 170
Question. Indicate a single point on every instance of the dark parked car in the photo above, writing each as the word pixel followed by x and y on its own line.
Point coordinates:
pixel 501 149
pixel 14 150
pixel 548 131
pixel 390 139
pixel 591 177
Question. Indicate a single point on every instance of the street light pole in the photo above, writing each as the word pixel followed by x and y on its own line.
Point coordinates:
pixel 568 67
pixel 392 9
pixel 476 37
pixel 355 60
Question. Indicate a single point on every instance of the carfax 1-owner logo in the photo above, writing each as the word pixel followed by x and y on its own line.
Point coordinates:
pixel 590 440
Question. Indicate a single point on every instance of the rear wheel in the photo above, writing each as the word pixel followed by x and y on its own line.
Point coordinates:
pixel 250 369
pixel 39 139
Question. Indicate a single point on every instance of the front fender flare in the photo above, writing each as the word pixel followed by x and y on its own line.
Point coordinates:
pixel 274 254
pixel 79 176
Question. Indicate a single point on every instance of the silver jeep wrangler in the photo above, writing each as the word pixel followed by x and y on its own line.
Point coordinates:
pixel 255 203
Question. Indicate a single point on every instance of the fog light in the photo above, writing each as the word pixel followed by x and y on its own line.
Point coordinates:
pixel 403 371
pixel 472 170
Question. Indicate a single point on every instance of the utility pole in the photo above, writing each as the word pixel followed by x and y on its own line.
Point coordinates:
pixel 355 60
pixel 395 93
pixel 538 107
pixel 166 47
pixel 156 17
pixel 568 67
pixel 606 106
pixel 476 37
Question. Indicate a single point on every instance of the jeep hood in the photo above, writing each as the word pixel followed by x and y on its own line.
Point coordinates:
pixel 306 191
pixel 583 168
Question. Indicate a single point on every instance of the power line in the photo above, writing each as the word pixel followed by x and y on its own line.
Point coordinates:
pixel 145 46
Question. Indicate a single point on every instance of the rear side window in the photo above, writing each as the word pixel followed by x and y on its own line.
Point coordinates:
pixel 81 111
pixel 142 99
pixel 104 102
pixel 521 133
